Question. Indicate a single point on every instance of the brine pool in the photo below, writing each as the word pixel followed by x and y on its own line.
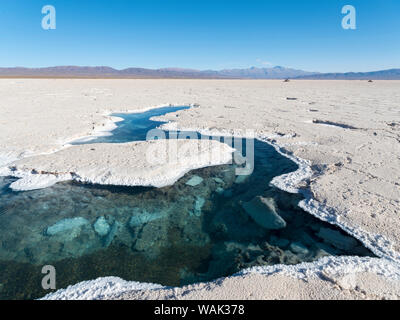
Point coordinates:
pixel 209 224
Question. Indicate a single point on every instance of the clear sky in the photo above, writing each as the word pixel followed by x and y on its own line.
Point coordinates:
pixel 202 34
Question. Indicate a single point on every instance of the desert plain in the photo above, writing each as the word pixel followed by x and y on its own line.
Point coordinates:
pixel 345 135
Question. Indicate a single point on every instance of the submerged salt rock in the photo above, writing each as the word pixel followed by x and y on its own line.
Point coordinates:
pixel 218 180
pixel 336 239
pixel 198 205
pixel 143 217
pixel 299 248
pixel 113 232
pixel 101 227
pixel 219 190
pixel 66 225
pixel 194 181
pixel 241 179
pixel 321 253
pixel 264 213
pixel 290 257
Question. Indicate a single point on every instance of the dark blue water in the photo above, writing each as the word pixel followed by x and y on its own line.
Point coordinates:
pixel 177 235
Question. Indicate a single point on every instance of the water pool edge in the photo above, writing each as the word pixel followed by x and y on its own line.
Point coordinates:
pixel 310 205
pixel 387 262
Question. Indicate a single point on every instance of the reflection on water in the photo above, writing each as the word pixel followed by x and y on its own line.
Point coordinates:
pixel 209 224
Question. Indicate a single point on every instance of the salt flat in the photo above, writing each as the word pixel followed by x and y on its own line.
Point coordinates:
pixel 156 163
pixel 349 131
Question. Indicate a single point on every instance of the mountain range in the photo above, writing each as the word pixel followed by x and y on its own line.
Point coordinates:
pixel 277 72
pixel 391 74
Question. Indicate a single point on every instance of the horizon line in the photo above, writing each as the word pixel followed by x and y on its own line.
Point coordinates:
pixel 195 69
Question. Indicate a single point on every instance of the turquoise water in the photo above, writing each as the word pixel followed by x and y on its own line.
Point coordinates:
pixel 134 127
pixel 182 234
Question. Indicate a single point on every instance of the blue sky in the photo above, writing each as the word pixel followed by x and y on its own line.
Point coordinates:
pixel 202 34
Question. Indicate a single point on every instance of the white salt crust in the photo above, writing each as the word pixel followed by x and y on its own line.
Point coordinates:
pixel 388 265
pixel 126 164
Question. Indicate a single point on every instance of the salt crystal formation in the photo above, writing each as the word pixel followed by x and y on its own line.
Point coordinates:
pixel 264 213
pixel 66 225
pixel 102 227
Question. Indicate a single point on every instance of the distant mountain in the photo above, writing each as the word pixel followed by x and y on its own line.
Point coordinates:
pixel 265 73
pixel 391 74
pixel 107 72
pixel 179 73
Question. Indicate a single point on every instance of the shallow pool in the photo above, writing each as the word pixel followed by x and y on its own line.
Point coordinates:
pixel 211 223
